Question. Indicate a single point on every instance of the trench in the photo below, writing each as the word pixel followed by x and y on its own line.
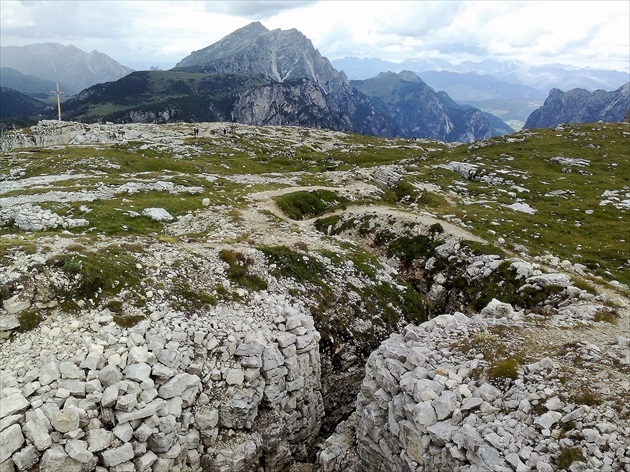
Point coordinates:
pixel 436 275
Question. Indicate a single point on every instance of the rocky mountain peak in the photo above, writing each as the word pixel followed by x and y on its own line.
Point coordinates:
pixel 409 76
pixel 280 55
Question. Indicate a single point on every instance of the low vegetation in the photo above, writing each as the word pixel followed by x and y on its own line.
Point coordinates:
pixel 568 456
pixel 238 271
pixel 101 274
pixel 308 204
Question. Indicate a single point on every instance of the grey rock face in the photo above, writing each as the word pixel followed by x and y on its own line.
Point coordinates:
pixel 11 439
pixel 279 55
pixel 581 106
pixel 132 401
pixel 113 457
pixel 430 413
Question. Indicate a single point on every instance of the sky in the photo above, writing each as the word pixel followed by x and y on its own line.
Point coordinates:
pixel 140 34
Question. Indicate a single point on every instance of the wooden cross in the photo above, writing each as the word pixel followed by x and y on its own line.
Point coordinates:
pixel 58 100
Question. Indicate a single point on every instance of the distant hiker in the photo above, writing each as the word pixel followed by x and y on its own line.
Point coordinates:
pixel 224 131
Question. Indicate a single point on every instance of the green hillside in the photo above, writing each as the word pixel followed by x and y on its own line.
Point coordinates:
pixel 197 97
pixel 572 182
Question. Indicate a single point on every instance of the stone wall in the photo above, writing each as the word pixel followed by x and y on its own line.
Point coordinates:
pixel 168 394
pixel 428 403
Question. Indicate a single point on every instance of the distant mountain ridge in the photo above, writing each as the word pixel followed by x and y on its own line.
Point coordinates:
pixel 581 106
pixel 258 76
pixel 508 90
pixel 171 96
pixel 71 67
pixel 14 104
pixel 420 111
pixel 542 78
pixel 24 83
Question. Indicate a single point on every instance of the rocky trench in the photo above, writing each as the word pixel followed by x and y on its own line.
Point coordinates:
pixel 260 382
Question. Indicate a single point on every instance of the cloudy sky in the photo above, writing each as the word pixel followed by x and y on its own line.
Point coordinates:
pixel 140 33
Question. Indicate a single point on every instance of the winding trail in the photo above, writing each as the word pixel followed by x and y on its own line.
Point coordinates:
pixel 264 201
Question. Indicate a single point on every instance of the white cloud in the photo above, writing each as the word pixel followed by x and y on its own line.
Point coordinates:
pixel 585 33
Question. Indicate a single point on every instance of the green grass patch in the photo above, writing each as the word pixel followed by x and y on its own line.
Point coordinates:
pixel 411 248
pixel 504 369
pixel 504 285
pixel 308 204
pixel 294 264
pixel 28 319
pixel 100 274
pixel 128 321
pixel 192 299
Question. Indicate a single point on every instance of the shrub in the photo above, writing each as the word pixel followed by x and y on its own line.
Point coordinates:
pixel 568 456
pixel 408 249
pixel 28 320
pixel 115 306
pixel 585 397
pixel 238 270
pixel 606 316
pixel 105 273
pixel 128 321
pixel 323 224
pixel 294 264
pixel 404 189
pixel 505 369
pixel 193 299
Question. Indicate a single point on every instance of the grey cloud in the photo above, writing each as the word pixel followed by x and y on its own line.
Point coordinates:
pixel 68 21
pixel 423 19
pixel 255 10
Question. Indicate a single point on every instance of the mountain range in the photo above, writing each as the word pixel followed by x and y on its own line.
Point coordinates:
pixel 275 77
pixel 541 78
pixel 509 90
pixel 73 68
pixel 271 77
pixel 420 111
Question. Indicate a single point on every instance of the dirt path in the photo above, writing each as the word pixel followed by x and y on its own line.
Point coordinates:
pixel 263 201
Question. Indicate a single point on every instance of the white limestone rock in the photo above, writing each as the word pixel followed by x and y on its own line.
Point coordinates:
pixel 37 433
pixel 65 420
pixel 12 404
pixel 11 439
pixel 26 458
pixel 157 214
pixel 178 384
pixel 116 456
pixel 99 439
